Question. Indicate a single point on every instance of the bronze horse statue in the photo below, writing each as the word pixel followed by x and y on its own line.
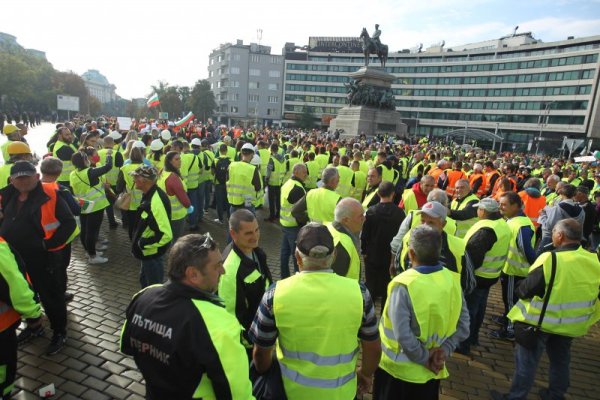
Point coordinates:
pixel 371 48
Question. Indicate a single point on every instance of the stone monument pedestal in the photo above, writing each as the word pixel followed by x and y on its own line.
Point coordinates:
pixel 372 106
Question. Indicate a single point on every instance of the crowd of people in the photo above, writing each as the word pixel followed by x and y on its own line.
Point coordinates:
pixel 426 229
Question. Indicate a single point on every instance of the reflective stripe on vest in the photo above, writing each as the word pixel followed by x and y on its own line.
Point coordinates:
pixel 178 211
pixel 48 217
pixel 239 185
pixel 96 195
pixel 516 261
pixel 494 259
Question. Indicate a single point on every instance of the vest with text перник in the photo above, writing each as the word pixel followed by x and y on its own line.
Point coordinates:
pixel 348 244
pixel 95 195
pixel 516 262
pixel 240 189
pixel 320 205
pixel 462 227
pixel 178 211
pixel 285 213
pixel 67 164
pixel 437 312
pixel 573 306
pixel 49 221
pixel 494 259
pixel 318 356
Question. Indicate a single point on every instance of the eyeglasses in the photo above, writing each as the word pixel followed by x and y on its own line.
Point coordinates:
pixel 207 244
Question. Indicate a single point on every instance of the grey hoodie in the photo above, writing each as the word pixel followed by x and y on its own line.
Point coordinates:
pixel 550 215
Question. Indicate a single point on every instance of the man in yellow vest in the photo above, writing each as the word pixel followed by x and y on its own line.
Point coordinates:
pixel 461 208
pixel 371 197
pixel 487 245
pixel 247 275
pixel 570 288
pixel 359 181
pixel 521 255
pixel 416 196
pixel 243 181
pixel 13 134
pixel 345 188
pixel 182 339
pixel 349 218
pixel 274 180
pixel 63 150
pixel 291 192
pixel 319 204
pixel 317 351
pixel 424 319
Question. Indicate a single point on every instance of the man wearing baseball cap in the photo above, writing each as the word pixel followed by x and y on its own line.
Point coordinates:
pixel 318 351
pixel 487 245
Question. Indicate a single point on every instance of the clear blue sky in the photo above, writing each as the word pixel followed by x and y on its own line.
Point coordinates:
pixel 135 43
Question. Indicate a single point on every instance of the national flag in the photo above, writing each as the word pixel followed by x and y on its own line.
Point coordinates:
pixel 153 101
pixel 185 120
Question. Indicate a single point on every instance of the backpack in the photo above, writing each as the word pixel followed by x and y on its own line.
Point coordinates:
pixel 221 168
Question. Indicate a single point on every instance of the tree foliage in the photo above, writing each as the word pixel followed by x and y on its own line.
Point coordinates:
pixel 179 100
pixel 306 120
pixel 202 100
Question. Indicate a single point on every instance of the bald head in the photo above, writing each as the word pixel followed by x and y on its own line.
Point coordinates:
pixel 349 212
pixel 427 184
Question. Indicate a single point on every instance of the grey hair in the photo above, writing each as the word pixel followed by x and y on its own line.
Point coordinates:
pixel 297 168
pixel 533 182
pixel 426 243
pixel 51 166
pixel 329 174
pixel 239 216
pixel 570 228
pixel 438 195
pixel 313 263
pixel 477 167
pixel 345 207
pixel 427 178
pixel 554 178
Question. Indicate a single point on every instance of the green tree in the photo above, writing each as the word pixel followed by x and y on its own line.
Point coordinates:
pixel 306 120
pixel 202 100
pixel 70 84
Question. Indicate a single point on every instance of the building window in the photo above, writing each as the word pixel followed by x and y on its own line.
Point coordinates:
pixel 274 74
pixel 212 61
pixel 273 86
pixel 272 112
pixel 234 84
pixel 252 111
pixel 254 72
pixel 236 57
pixel 275 60
pixel 210 74
pixel 253 98
pixel 234 96
pixel 234 70
pixel 273 99
pixel 234 109
pixel 253 85
pixel 255 58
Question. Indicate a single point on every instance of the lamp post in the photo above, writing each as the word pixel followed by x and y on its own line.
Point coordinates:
pixel 544 116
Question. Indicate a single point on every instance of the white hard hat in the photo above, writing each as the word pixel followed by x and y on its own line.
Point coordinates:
pixel 156 145
pixel 139 144
pixel 196 142
pixel 166 134
pixel 115 135
pixel 248 146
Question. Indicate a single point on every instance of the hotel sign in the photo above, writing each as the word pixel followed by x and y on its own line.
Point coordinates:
pixel 335 44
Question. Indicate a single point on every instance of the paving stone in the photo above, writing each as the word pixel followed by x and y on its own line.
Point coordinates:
pixel 116 392
pixel 96 372
pixel 94 383
pixel 73 375
pixel 120 381
pixel 94 395
pixel 113 368
pixel 26 383
pixel 137 388
pixel 73 388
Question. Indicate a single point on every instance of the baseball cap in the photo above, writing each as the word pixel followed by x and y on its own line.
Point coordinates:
pixel 9 128
pixel 247 146
pixel 156 145
pixel 487 204
pixel 434 209
pixel 22 168
pixel 196 142
pixel 145 171
pixel 165 134
pixel 315 240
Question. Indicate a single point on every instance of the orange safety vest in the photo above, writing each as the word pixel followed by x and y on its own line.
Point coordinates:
pixel 49 221
pixel 8 315
pixel 481 191
pixel 453 177
pixel 435 172
pixel 513 184
pixel 488 181
pixel 532 206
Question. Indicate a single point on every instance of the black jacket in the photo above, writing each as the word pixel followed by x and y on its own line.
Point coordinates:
pixel 381 225
pixel 149 222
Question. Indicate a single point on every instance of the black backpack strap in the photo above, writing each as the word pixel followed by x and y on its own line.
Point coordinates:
pixel 548 290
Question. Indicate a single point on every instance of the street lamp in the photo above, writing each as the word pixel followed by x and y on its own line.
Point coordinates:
pixel 542 121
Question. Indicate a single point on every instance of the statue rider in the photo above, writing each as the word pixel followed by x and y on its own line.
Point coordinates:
pixel 375 38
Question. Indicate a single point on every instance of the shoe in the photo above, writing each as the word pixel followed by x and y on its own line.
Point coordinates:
pixel 69 297
pixel 30 333
pixel 101 247
pixel 57 343
pixel 496 395
pixel 102 241
pixel 97 259
pixel 218 221
pixel 502 334
pixel 500 320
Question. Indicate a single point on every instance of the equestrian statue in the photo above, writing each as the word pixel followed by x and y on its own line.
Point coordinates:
pixel 372 45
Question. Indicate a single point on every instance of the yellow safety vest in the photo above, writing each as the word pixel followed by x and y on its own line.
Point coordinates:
pixel 348 244
pixel 190 169
pixel 449 228
pixel 318 364
pixel 67 164
pixel 463 226
pixel 276 177
pixel 285 213
pixel 494 259
pixel 455 244
pixel 112 175
pixel 368 199
pixel 344 187
pixel 136 194
pixel 410 201
pixel 178 211
pixel 96 195
pixel 207 159
pixel 313 174
pixel 573 306
pixel 4 175
pixel 387 174
pixel 320 205
pixel 516 262
pixel 289 167
pixel 264 155
pixel 239 186
pixel 437 302
pixel 360 183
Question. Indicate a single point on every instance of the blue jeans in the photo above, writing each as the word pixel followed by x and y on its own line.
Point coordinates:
pixel 558 349
pixel 152 272
pixel 476 303
pixel 192 219
pixel 221 201
pixel 288 247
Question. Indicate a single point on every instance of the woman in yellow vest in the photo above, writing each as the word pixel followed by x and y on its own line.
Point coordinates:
pixel 157 157
pixel 125 183
pixel 88 187
pixel 170 181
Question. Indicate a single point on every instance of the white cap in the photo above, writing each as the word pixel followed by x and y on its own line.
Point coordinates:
pixel 156 145
pixel 166 134
pixel 196 142
pixel 139 144
pixel 115 135
pixel 247 146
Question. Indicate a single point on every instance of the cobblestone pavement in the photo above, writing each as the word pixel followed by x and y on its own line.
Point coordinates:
pixel 91 367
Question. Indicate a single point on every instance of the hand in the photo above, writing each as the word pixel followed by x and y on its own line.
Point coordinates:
pixel 364 382
pixel 437 359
